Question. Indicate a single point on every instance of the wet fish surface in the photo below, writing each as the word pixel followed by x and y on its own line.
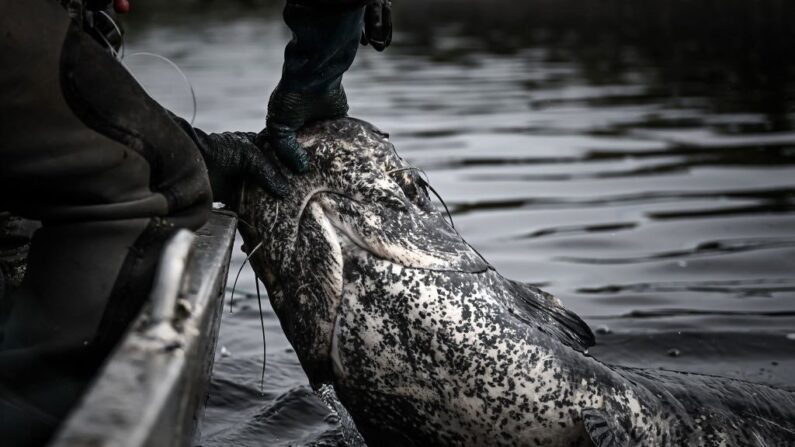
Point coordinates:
pixel 426 343
pixel 641 170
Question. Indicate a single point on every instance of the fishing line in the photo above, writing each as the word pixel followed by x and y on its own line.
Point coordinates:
pixel 259 295
pixel 425 182
pixel 259 304
pixel 178 70
pixel 264 346
pixel 110 47
pixel 257 247
pixel 412 168
pixel 120 56
pixel 446 209
pixel 240 270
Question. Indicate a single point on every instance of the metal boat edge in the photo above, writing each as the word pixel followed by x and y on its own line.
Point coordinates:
pixel 152 389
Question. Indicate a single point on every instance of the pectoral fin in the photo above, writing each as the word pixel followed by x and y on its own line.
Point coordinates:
pixel 602 429
pixel 536 307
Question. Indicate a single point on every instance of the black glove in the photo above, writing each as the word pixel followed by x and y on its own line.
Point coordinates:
pixel 324 44
pixel 231 158
pixel 378 24
pixel 289 111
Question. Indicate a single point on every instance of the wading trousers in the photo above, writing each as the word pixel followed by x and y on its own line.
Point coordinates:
pixel 110 177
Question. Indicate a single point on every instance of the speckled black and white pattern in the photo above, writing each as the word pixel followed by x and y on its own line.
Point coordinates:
pixel 426 344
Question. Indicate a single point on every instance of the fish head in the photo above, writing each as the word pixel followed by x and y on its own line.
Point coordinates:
pixel 358 196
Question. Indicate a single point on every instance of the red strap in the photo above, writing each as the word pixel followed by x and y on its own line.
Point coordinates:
pixel 121 6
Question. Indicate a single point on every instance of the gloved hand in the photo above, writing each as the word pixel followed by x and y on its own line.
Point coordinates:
pixel 288 111
pixel 326 36
pixel 231 158
pixel 378 24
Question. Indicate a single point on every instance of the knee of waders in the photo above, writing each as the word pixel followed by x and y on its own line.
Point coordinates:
pixel 85 142
pixel 107 99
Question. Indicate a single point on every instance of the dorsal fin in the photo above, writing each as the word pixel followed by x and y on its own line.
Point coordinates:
pixel 534 306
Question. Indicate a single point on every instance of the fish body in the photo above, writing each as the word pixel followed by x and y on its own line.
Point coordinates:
pixel 426 344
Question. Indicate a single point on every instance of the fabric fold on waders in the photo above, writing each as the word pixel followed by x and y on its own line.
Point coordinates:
pixel 110 176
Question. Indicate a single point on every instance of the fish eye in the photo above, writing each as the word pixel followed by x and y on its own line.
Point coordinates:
pixel 413 185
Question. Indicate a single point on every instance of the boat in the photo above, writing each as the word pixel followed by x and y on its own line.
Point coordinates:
pixel 152 389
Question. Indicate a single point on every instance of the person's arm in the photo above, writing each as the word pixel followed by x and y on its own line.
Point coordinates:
pixel 326 35
pixel 231 158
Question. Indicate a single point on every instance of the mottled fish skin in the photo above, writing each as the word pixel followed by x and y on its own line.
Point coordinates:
pixel 426 344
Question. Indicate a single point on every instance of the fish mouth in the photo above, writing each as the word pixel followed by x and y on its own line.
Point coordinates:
pixel 320 215
pixel 395 234
pixel 330 214
pixel 329 234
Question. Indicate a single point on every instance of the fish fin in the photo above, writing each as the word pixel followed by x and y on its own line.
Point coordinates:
pixel 600 430
pixel 534 306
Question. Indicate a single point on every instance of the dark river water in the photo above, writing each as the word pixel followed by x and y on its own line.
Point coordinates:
pixel 636 161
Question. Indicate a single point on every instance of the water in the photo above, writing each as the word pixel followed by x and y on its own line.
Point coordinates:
pixel 639 163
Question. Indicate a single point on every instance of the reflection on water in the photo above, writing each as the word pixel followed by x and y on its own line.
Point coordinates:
pixel 635 158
